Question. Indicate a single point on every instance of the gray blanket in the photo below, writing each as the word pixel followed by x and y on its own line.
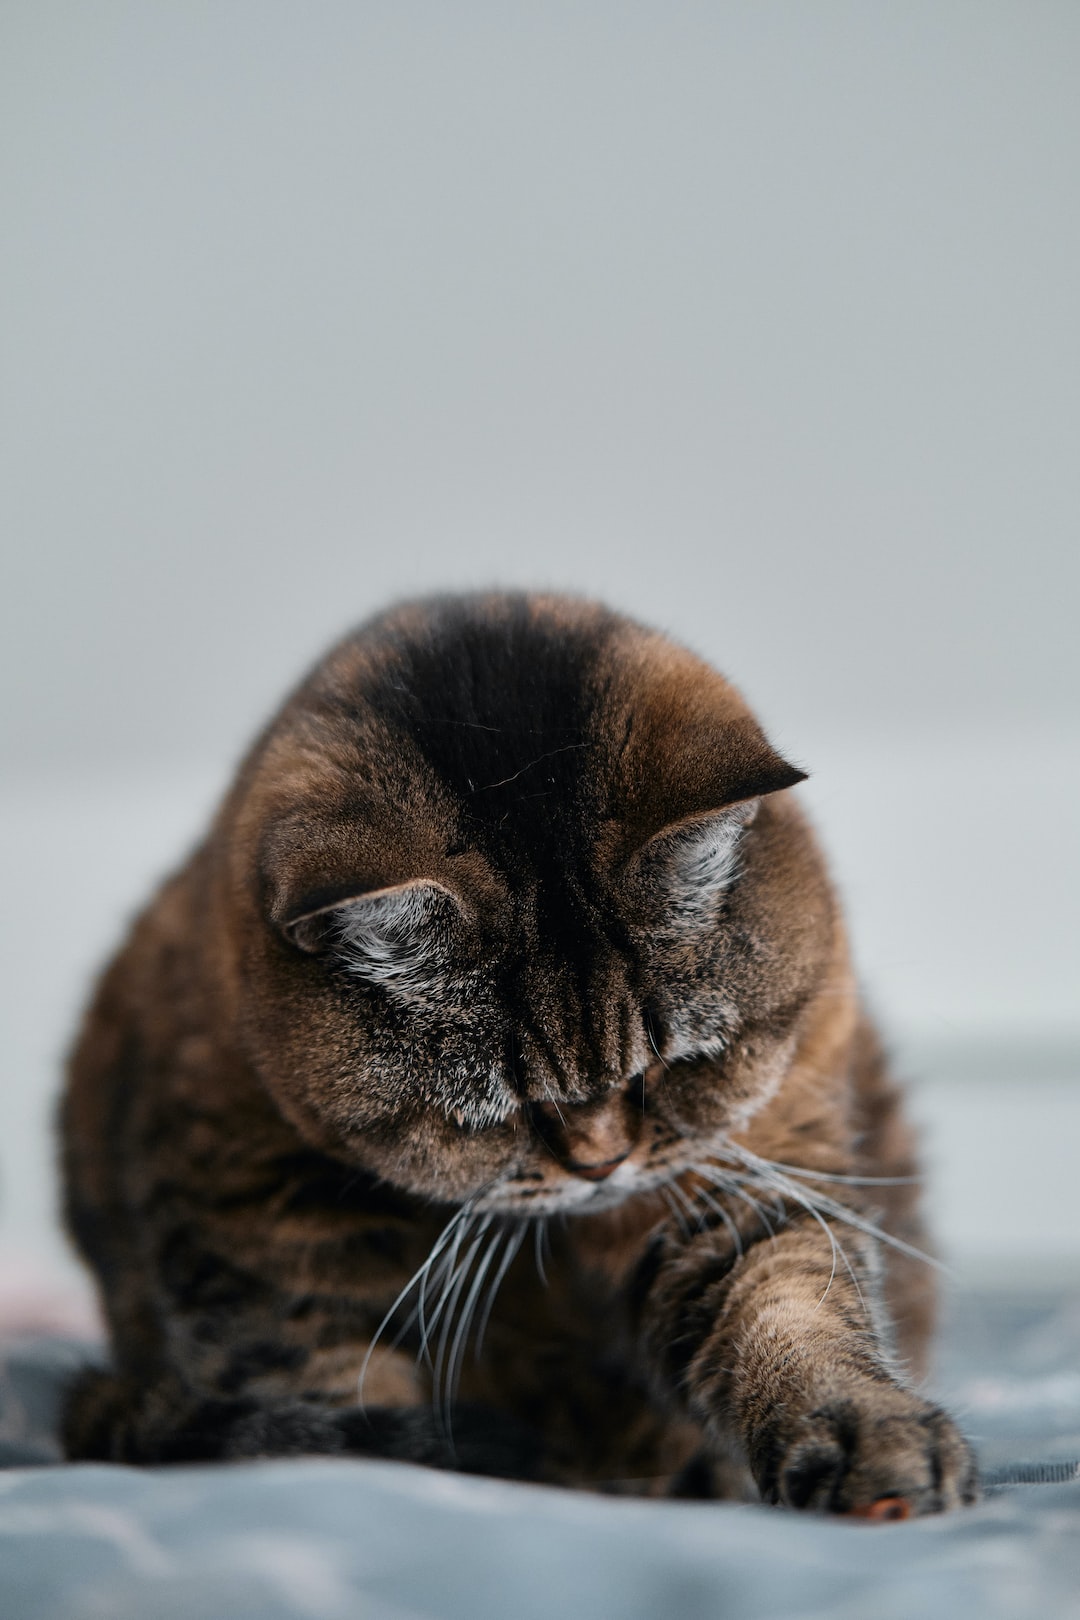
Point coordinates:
pixel 318 1540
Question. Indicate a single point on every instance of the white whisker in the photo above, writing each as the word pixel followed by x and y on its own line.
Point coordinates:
pixel 418 1276
pixel 554 1101
pixel 454 1288
pixel 652 1043
pixel 851 1181
pixel 539 1240
pixel 737 1187
pixel 453 1367
pixel 807 1202
pixel 685 1201
pixel 665 1193
pixel 442 1275
pixel 799 1196
pixel 718 1209
pixel 514 1241
pixel 765 1169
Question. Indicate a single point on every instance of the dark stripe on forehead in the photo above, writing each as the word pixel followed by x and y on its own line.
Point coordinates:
pixel 505 702
pixel 501 700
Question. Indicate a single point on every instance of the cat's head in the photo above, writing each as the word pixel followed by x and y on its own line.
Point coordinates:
pixel 517 908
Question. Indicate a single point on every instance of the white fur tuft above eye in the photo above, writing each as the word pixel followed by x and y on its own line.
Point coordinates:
pixel 397 938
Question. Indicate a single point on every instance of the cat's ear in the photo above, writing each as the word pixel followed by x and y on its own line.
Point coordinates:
pixel 397 937
pixel 693 749
pixel 760 772
pixel 724 768
pixel 694 860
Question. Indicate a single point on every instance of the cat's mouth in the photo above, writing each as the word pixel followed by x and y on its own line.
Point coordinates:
pixel 574 1195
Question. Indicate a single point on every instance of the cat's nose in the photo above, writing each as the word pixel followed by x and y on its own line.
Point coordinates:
pixel 590 1140
pixel 596 1172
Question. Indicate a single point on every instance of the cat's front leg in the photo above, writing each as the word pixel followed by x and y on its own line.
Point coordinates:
pixel 110 1418
pixel 780 1348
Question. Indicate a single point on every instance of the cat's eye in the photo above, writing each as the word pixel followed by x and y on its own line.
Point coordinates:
pixel 310 933
pixel 387 911
pixel 398 937
pixel 314 931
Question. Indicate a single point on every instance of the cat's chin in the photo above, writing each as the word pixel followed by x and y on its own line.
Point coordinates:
pixel 579 1197
pixel 576 1197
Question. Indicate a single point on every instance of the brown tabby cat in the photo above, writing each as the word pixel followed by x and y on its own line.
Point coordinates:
pixel 490 1089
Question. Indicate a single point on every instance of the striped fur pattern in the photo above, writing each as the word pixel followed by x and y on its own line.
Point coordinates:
pixel 490 1089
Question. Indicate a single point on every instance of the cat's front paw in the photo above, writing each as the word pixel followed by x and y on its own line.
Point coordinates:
pixel 880 1453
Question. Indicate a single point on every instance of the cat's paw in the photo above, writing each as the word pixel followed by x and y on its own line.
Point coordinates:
pixel 879 1453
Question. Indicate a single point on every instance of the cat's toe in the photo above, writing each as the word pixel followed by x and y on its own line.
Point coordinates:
pixel 878 1455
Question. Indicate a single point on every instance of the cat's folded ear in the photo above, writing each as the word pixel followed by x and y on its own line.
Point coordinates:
pixel 698 785
pixel 692 861
pixel 397 936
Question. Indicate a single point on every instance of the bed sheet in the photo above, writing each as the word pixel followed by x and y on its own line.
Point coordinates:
pixel 323 1539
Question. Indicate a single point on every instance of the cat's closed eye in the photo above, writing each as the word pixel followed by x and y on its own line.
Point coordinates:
pixel 400 937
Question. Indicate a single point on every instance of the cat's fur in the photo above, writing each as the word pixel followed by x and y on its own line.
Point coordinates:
pixel 509 967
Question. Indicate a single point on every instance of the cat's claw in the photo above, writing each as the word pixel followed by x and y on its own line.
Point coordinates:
pixel 883 1455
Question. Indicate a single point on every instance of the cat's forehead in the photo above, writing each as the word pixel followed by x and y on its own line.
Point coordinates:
pixel 516 725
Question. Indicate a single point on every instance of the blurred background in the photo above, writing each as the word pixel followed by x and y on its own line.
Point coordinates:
pixel 757 320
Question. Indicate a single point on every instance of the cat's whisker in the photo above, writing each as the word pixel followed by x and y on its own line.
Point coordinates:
pixel 851 1181
pixel 652 1042
pixel 514 1241
pixel 419 1313
pixel 445 1273
pixel 718 1209
pixel 755 1206
pixel 442 1275
pixel 871 1229
pixel 686 1202
pixel 804 1199
pixel 832 1206
pixel 452 1275
pixel 418 1276
pixel 762 1184
pixel 831 1235
pixel 506 1236
pixel 807 1203
pixel 454 1289
pixel 737 1187
pixel 453 1365
pixel 554 1101
pixel 539 1240
pixel 724 1144
pixel 432 1275
pixel 665 1193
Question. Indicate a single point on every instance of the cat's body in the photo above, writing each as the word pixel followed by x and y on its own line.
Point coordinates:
pixel 499 1052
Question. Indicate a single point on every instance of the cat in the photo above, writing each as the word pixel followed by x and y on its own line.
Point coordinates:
pixel 491 1089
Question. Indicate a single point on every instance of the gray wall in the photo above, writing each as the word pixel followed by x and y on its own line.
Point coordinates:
pixel 758 319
